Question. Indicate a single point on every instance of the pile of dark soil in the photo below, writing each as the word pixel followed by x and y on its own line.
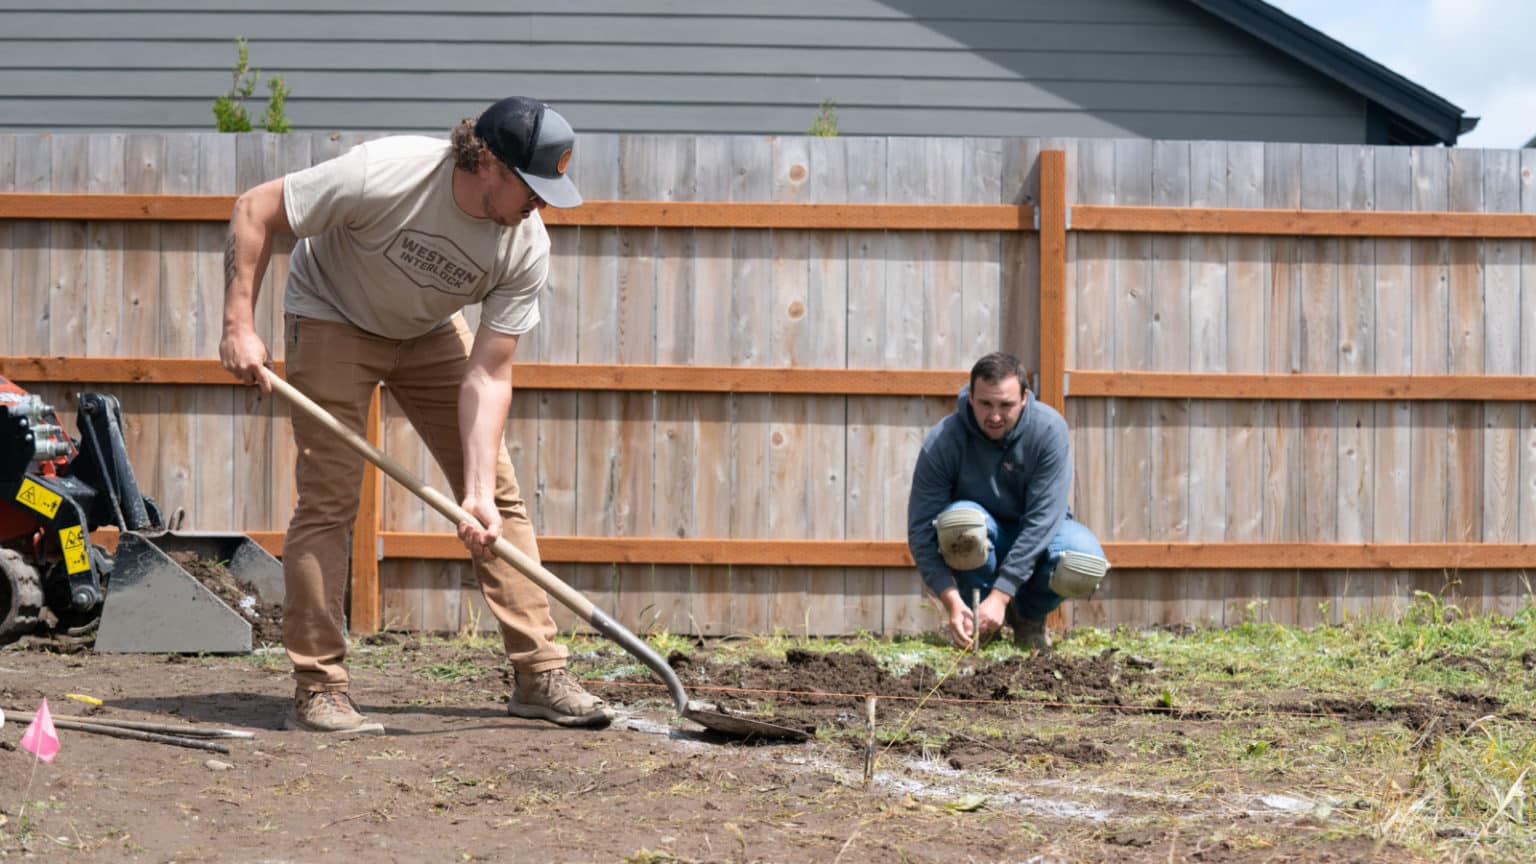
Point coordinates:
pixel 266 618
pixel 828 688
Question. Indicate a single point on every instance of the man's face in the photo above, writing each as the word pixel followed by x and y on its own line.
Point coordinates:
pixel 997 405
pixel 504 196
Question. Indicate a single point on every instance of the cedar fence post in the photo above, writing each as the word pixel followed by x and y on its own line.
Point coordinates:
pixel 365 532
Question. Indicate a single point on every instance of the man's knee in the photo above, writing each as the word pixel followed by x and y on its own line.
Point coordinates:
pixel 1081 565
pixel 963 538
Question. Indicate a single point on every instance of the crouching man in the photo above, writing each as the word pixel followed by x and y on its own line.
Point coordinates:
pixel 988 511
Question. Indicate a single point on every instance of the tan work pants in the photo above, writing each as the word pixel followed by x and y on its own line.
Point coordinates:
pixel 337 365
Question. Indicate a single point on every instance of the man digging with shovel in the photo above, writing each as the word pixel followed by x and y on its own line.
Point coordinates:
pixel 394 238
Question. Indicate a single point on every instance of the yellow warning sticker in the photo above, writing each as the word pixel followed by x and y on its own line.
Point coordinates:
pixel 38 498
pixel 72 540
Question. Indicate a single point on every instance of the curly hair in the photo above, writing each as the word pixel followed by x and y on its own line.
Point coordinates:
pixel 467 147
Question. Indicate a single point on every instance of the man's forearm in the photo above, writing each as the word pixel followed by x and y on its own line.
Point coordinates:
pixel 483 406
pixel 247 248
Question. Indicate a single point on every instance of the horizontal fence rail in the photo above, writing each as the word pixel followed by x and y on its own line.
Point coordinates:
pixel 1302 223
pixel 535 376
pixel 556 549
pixel 1083 218
pixel 846 382
pixel 591 214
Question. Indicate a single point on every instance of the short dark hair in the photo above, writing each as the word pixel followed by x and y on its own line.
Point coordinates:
pixel 996 367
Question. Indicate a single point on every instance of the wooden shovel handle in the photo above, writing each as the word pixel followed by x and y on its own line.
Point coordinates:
pixel 503 548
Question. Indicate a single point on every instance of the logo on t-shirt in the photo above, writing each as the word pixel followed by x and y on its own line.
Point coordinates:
pixel 434 262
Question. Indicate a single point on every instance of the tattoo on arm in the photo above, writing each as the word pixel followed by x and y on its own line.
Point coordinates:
pixel 229 259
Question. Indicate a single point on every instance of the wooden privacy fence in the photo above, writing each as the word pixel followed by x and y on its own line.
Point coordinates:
pixel 1278 411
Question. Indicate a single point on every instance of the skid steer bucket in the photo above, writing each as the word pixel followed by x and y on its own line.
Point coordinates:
pixel 156 605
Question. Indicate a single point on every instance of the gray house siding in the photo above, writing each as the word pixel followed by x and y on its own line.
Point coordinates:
pixel 1080 68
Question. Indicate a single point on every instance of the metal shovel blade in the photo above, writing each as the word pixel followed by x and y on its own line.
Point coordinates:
pixel 715 718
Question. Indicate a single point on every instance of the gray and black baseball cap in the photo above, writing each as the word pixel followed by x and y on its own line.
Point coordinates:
pixel 532 139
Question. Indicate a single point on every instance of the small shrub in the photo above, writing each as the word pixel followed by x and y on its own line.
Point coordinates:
pixel 229 112
pixel 825 124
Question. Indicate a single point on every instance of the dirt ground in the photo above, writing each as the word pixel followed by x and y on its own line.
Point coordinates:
pixel 991 765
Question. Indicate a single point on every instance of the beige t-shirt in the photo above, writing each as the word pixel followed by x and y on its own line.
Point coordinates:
pixel 384 247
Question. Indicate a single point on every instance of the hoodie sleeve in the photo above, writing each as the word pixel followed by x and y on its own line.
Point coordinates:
pixel 1045 491
pixel 933 483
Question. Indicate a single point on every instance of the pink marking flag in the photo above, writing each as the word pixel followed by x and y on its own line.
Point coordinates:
pixel 40 737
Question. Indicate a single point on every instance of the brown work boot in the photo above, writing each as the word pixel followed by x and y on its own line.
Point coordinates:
pixel 556 696
pixel 1028 633
pixel 328 711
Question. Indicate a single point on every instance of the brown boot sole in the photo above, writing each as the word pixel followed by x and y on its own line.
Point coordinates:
pixel 293 724
pixel 597 719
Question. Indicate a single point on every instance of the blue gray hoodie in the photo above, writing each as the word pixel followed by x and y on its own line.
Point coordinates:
pixel 1022 480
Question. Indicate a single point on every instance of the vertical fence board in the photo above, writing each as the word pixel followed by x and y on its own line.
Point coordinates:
pixel 1282 430
pixel 1357 356
pixel 1465 356
pixel 549 482
pixel 981 269
pixel 867 507
pixel 1168 335
pixel 1319 338
pixel 294 153
pixel 1208 504
pixel 1430 441
pixel 598 414
pixel 752 413
pixel 1131 420
pixel 1500 504
pixel 1247 281
pixel 143 156
pixel 790 344
pixel 1391 522
pixel 403 585
pixel 214 406
pixel 714 495
pixel 252 424
pixel 913 173
pixel 1093 339
pixel 67 322
pixel 632 480
pixel 8 241
pixel 178 325
pixel 31 242
pixel 831 602
pixel 1526 488
pixel 102 288
pixel 1017 328
pixel 661 169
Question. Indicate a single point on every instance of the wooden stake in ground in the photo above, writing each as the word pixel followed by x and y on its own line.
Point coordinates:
pixel 975 619
pixel 869 743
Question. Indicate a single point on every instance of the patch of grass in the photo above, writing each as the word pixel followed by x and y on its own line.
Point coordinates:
pixel 1476 787
pixel 1430 649
pixel 452 671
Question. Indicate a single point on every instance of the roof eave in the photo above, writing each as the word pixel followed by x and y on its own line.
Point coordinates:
pixel 1440 119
